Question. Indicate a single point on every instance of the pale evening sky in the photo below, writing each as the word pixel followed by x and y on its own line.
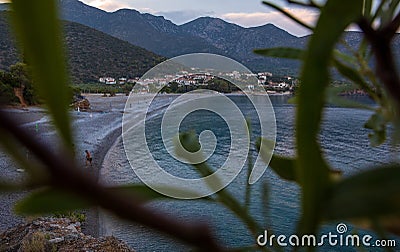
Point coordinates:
pixel 246 13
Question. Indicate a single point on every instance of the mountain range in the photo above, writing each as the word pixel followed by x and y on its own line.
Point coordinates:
pixel 91 53
pixel 205 34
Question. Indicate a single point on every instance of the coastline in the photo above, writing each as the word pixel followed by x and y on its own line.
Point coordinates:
pixel 96 130
pixel 92 223
pixel 104 127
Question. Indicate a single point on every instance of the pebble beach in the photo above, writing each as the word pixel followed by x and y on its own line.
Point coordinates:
pixel 95 130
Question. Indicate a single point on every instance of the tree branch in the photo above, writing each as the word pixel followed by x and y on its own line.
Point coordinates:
pixel 66 175
pixel 311 4
pixel 391 29
pixel 385 64
pixel 287 14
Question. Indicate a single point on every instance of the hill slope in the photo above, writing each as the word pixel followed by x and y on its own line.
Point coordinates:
pixel 91 54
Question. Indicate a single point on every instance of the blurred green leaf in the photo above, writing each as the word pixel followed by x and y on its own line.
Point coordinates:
pixel 284 167
pixel 48 200
pixel 146 194
pixel 334 98
pixel 190 142
pixel 344 57
pixel 281 52
pixel 51 200
pixel 250 166
pixel 353 75
pixel 367 11
pixel 9 187
pixel 311 99
pixel 38 31
pixel 16 152
pixel 379 10
pixel 371 194
pixel 377 123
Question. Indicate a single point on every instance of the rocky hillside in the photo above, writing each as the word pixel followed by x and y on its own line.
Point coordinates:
pixel 91 53
pixel 55 234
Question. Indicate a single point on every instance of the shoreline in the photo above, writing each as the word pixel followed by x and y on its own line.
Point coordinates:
pixel 95 130
pixel 92 222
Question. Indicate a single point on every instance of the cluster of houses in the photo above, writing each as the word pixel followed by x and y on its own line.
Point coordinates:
pixel 113 81
pixel 185 78
pixel 194 79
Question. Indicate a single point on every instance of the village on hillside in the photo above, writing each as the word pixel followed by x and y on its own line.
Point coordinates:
pixel 185 81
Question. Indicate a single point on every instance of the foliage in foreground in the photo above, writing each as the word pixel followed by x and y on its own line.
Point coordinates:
pixel 322 195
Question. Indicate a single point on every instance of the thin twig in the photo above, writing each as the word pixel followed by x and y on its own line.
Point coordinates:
pixel 311 4
pixel 65 175
pixel 287 14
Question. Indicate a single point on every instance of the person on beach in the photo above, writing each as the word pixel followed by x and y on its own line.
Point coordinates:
pixel 88 158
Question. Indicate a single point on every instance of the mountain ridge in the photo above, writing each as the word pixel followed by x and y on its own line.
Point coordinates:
pixel 162 36
pixel 202 35
pixel 91 53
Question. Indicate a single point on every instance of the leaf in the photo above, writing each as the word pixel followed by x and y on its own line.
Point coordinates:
pixel 313 172
pixel 145 194
pixel 250 166
pixel 377 123
pixel 38 31
pixel 281 52
pixel 371 194
pixel 9 187
pixel 49 200
pixel 334 98
pixel 367 9
pixel 353 75
pixel 285 167
pixel 190 142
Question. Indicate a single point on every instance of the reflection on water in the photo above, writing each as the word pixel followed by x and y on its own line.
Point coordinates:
pixel 344 141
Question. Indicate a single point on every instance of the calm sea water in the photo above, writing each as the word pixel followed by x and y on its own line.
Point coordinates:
pixel 344 141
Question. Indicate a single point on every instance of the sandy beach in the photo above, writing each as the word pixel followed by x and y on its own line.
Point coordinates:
pixel 95 131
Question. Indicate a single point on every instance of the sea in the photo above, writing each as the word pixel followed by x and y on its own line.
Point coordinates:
pixel 274 204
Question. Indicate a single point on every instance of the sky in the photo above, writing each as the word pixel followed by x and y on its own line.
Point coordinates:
pixel 246 13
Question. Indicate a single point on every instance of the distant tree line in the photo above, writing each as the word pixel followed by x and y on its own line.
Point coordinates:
pixel 99 88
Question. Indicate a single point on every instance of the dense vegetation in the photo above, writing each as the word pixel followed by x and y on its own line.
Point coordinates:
pixel 17 79
pixel 91 54
pixel 98 88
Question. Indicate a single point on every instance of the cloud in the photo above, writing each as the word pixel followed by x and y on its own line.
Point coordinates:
pixel 107 5
pixel 147 10
pixel 180 17
pixel 274 17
